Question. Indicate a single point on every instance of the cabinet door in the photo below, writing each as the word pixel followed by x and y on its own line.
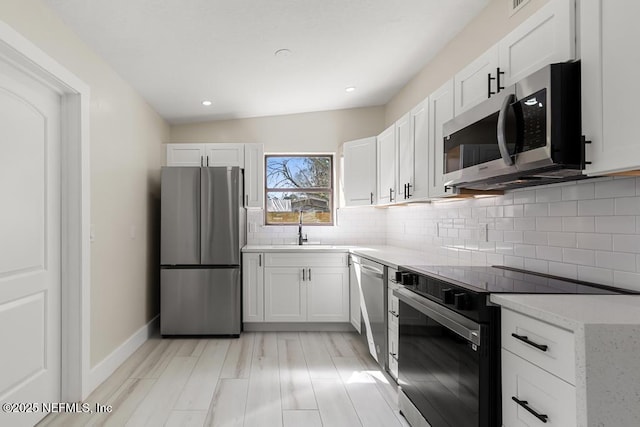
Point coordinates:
pixel 224 155
pixel 327 294
pixel 253 175
pixel 543 393
pixel 472 82
pixel 609 34
pixel 386 170
pixel 252 287
pixel 285 295
pixel 185 154
pixel 404 145
pixel 440 111
pixel 546 37
pixel 420 135
pixel 392 363
pixel 360 172
pixel 354 297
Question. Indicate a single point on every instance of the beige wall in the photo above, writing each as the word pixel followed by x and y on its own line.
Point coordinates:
pixel 308 132
pixel 484 31
pixel 125 146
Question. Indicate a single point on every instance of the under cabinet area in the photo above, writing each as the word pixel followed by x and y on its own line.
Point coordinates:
pixel 296 287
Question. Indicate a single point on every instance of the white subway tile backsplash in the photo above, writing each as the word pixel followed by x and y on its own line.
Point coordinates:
pixel 594 241
pixel 524 196
pixel 627 206
pixel 565 240
pixel 578 192
pixel 513 211
pixel 514 261
pixel 621 187
pixel 567 208
pixel 522 224
pixel 595 207
pixel 578 256
pixel 513 236
pixel 549 253
pixel 504 223
pixel 553 194
pixel 615 224
pixel 579 224
pixel 548 224
pixel 626 280
pixel 536 237
pixel 616 261
pixel 528 251
pixel 536 209
pixel 538 265
pixel 626 243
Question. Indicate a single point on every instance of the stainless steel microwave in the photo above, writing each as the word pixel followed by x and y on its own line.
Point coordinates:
pixel 527 134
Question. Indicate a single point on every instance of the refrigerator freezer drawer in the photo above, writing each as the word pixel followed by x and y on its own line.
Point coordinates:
pixel 200 301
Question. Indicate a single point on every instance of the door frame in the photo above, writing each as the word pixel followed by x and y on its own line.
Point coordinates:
pixel 75 218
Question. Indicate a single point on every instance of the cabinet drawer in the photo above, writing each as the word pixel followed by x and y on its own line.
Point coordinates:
pixel 559 355
pixel 288 259
pixel 392 345
pixel 392 309
pixel 543 393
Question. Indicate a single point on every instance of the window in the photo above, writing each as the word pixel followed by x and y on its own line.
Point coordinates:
pixel 299 185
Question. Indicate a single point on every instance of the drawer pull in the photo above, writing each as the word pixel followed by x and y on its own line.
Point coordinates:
pixel 525 405
pixel 525 339
pixel 394 356
pixel 393 313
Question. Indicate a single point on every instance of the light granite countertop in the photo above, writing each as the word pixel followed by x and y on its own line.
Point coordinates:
pixel 388 255
pixel 606 330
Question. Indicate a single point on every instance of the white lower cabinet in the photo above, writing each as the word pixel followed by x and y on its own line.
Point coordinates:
pixel 306 287
pixel 252 287
pixel 542 398
pixel 354 298
pixel 538 372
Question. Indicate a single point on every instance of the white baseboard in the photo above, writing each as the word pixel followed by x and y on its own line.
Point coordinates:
pixel 109 364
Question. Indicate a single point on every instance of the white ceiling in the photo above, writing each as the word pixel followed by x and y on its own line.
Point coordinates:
pixel 176 53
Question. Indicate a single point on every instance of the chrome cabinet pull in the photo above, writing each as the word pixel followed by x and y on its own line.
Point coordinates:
pixel 260 260
pixel 309 274
pixel 391 195
pixel 304 275
pixel 372 197
pixel 525 405
pixel 525 339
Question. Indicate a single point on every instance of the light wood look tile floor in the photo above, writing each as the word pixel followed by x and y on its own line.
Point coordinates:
pixel 266 379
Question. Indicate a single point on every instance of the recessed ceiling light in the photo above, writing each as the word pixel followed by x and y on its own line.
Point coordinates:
pixel 206 103
pixel 282 53
pixel 350 89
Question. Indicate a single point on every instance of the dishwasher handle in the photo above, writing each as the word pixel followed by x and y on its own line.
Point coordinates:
pixel 371 271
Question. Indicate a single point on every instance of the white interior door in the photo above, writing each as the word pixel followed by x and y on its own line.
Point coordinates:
pixel 29 243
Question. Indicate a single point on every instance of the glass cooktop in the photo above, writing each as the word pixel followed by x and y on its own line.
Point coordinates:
pixel 499 279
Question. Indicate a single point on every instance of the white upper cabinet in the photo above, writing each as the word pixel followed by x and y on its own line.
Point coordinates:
pixel 440 111
pixel 386 170
pixel 420 136
pixel 546 37
pixel 360 172
pixel 254 175
pixel 609 34
pixel 475 82
pixel 205 155
pixel 404 145
pixel 225 155
pixel 186 154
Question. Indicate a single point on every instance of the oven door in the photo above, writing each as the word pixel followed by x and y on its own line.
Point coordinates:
pixel 444 368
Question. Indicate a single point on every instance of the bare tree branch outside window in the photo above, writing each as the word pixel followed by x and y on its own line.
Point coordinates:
pixel 299 183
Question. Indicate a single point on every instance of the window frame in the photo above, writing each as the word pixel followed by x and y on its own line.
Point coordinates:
pixel 330 190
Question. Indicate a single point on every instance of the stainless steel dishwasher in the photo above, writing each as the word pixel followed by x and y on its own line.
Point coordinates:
pixel 371 280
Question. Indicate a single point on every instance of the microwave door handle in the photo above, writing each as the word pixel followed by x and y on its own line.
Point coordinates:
pixel 502 130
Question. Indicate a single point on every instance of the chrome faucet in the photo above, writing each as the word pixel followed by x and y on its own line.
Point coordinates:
pixel 301 239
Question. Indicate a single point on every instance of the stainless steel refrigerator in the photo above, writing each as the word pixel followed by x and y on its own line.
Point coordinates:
pixel 202 232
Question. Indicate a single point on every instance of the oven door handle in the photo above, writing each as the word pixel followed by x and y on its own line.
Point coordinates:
pixel 467 329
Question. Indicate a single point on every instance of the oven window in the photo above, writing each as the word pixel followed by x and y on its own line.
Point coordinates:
pixel 439 371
